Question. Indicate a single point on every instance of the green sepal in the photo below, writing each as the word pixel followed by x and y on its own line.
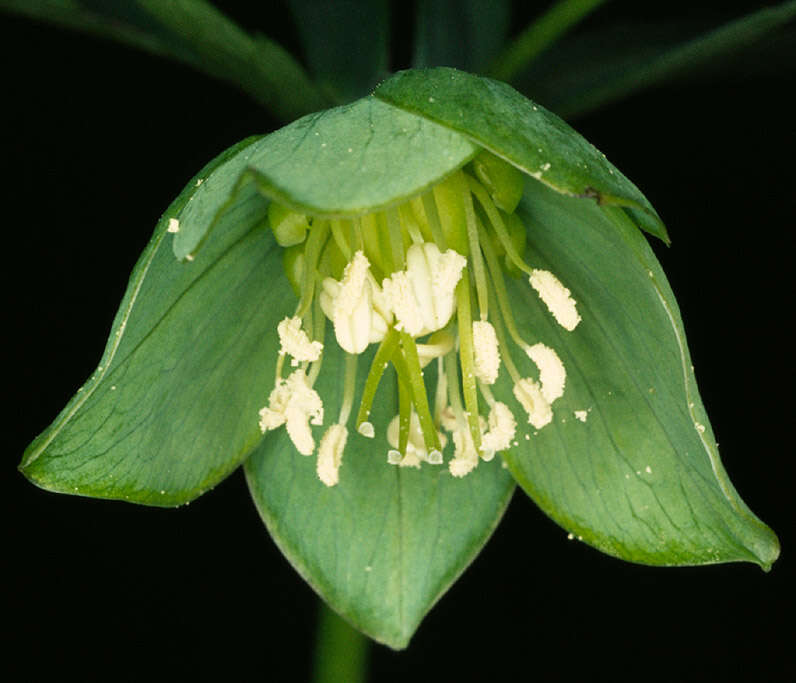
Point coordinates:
pixel 498 118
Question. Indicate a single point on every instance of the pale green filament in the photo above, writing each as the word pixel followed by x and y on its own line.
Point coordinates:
pixel 500 289
pixel 340 238
pixel 408 221
pixel 452 378
pixel 497 223
pixel 505 353
pixel 315 241
pixel 318 333
pixel 396 240
pixel 486 392
pixel 404 415
pixel 432 216
pixel 441 394
pixel 469 389
pixel 359 238
pixel 383 355
pixel 349 386
pixel 476 258
pixel 418 389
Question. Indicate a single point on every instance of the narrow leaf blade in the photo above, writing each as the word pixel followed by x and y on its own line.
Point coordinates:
pixel 463 34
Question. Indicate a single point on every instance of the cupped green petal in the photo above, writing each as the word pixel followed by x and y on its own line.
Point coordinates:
pixel 344 161
pixel 385 543
pixel 630 464
pixel 496 117
pixel 172 407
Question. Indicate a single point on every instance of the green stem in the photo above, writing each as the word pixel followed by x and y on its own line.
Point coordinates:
pixel 340 650
pixel 539 35
pixel 469 388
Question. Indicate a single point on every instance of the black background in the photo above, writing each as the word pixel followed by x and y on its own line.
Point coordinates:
pixel 96 141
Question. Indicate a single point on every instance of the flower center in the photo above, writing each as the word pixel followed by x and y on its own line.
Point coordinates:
pixel 425 280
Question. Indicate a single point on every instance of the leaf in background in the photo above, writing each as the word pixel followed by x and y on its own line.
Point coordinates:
pixel 193 32
pixel 497 117
pixel 383 545
pixel 587 71
pixel 172 408
pixel 345 43
pixel 464 34
pixel 539 35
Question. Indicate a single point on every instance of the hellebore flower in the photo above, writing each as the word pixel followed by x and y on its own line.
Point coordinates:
pixel 434 293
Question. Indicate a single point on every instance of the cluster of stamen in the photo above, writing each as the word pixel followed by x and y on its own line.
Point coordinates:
pixel 410 279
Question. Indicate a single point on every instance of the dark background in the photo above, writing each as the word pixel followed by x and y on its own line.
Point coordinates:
pixel 96 141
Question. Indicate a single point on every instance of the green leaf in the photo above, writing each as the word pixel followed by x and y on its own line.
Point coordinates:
pixel 641 477
pixel 588 71
pixel 172 408
pixel 540 34
pixel 345 43
pixel 346 160
pixel 466 34
pixel 193 32
pixel 497 117
pixel 383 545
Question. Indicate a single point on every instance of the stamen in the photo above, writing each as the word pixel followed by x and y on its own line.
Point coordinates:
pixel 340 239
pixel 476 259
pixel 349 387
pixel 552 375
pixel 315 241
pixel 396 240
pixel 295 342
pixel 430 209
pixel 500 289
pixel 404 422
pixel 556 297
pixel 409 223
pixel 295 404
pixel 330 454
pixel 529 394
pixel 497 223
pixel 465 326
pixel 487 356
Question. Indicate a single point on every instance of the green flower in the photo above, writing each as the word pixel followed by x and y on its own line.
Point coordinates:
pixel 437 292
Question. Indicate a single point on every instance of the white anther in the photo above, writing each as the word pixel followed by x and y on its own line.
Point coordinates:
pixel 294 403
pixel 529 394
pixel 355 306
pixel 465 456
pixel 502 427
pixel 330 454
pixel 295 342
pixel 556 297
pixel 552 375
pixel 487 355
pixel 422 296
